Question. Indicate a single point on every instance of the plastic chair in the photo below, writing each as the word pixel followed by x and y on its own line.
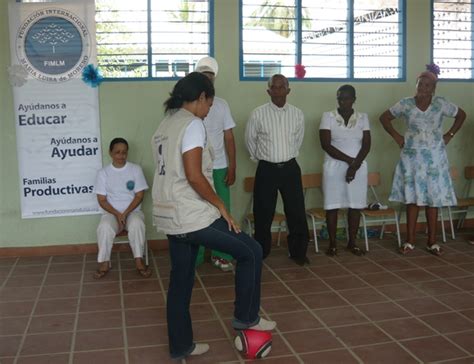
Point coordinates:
pixel 440 218
pixel 464 202
pixel 386 215
pixel 317 214
pixel 454 176
pixel 279 219
pixel 122 238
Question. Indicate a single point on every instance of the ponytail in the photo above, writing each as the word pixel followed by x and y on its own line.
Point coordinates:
pixel 188 89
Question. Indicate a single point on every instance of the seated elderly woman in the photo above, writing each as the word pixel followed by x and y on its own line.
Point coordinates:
pixel 345 137
pixel 120 187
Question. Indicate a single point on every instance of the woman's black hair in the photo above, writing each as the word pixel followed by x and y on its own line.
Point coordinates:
pixel 117 141
pixel 188 89
pixel 347 88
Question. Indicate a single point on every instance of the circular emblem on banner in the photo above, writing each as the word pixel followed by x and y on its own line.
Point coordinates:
pixel 53 45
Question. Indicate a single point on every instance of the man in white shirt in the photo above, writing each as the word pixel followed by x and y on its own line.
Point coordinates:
pixel 219 125
pixel 273 136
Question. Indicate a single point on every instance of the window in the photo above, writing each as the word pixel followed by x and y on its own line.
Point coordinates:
pixel 148 39
pixel 262 69
pixel 453 38
pixel 337 39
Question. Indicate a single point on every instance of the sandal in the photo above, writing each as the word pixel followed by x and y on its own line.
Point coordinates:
pixel 354 249
pixel 406 248
pixel 98 274
pixel 331 252
pixel 435 249
pixel 144 272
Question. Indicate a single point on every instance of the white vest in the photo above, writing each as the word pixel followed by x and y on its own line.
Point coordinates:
pixel 177 207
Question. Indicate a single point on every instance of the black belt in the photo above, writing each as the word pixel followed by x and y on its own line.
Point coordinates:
pixel 278 165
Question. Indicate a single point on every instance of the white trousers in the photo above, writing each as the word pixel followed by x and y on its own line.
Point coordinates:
pixel 108 228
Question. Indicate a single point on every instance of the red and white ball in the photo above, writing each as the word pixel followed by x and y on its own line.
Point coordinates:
pixel 253 344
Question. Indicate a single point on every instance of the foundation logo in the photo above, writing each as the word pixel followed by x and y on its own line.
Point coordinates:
pixel 53 45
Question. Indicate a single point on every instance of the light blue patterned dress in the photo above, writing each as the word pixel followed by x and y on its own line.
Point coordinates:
pixel 422 174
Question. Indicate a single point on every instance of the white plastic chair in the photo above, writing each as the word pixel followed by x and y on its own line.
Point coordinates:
pixel 464 202
pixel 386 215
pixel 316 214
pixel 122 238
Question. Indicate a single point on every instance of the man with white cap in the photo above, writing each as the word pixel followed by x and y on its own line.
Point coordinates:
pixel 219 125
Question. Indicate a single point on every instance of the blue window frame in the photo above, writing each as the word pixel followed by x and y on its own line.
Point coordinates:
pixel 333 40
pixel 152 39
pixel 453 38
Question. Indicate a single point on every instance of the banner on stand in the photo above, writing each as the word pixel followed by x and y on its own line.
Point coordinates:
pixel 56 112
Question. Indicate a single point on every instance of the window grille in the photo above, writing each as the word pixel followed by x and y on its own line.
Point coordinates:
pixel 261 69
pixel 144 39
pixel 453 38
pixel 337 39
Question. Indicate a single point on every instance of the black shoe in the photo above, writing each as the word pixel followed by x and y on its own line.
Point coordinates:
pixel 355 250
pixel 331 252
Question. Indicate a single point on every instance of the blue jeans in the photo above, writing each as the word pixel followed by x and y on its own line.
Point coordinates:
pixel 183 249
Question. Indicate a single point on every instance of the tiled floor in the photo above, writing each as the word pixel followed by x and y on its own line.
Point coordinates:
pixel 381 308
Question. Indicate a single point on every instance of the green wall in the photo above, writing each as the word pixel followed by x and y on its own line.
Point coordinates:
pixel 133 110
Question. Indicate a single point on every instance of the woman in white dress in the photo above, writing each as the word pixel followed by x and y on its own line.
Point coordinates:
pixel 345 137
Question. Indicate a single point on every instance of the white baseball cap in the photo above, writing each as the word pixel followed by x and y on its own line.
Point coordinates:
pixel 207 64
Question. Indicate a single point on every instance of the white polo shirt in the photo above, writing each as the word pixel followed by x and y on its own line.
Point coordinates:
pixel 120 185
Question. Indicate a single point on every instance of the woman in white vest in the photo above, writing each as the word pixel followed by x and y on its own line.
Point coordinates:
pixel 187 209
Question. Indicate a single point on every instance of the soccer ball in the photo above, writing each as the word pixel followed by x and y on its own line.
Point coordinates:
pixel 253 344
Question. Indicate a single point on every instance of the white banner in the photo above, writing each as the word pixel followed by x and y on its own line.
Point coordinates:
pixel 56 112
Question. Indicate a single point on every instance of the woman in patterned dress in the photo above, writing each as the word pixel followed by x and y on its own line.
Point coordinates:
pixel 422 175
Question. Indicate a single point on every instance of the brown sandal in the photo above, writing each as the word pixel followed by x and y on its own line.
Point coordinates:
pixel 98 274
pixel 145 272
pixel 406 248
pixel 435 249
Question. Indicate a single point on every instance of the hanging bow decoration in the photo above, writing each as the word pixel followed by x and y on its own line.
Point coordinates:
pixel 300 71
pixel 433 68
pixel 91 75
pixel 17 75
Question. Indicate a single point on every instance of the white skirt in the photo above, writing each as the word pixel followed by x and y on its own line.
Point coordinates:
pixel 340 194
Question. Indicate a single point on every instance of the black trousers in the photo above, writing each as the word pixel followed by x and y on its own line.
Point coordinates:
pixel 286 178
